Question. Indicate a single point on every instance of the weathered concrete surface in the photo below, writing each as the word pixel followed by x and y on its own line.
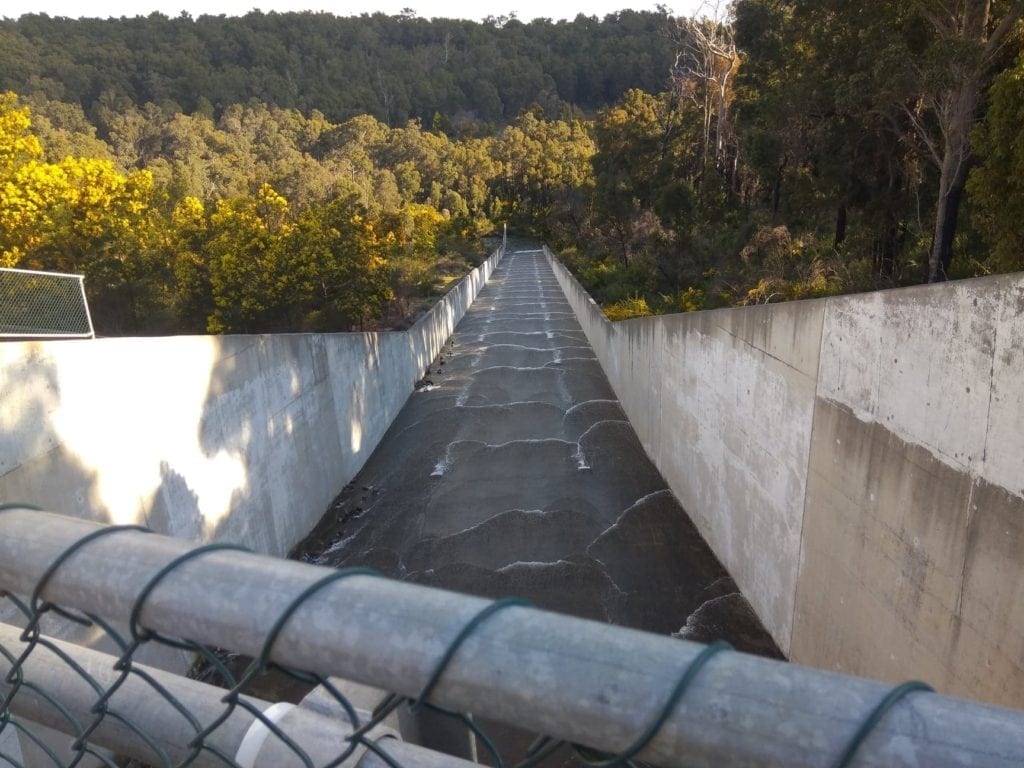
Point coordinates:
pixel 238 438
pixel 515 472
pixel 737 393
pixel 913 546
pixel 857 463
pixel 723 402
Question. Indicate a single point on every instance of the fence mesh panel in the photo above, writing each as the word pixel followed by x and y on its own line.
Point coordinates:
pixel 42 304
pixel 28 649
pixel 88 746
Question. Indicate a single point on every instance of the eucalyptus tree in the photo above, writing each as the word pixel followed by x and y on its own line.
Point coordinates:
pixel 884 93
pixel 966 45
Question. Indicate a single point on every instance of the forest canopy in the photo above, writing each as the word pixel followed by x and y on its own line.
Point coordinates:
pixel 395 68
pixel 311 172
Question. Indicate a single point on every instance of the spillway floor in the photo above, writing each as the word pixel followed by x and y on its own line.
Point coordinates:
pixel 516 473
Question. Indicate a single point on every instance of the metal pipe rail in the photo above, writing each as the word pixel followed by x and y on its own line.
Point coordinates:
pixel 318 734
pixel 581 681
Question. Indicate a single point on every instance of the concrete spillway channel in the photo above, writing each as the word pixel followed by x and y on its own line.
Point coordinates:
pixel 514 472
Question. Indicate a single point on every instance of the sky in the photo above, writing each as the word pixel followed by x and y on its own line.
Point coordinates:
pixel 525 10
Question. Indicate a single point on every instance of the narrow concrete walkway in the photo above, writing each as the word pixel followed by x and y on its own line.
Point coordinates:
pixel 515 472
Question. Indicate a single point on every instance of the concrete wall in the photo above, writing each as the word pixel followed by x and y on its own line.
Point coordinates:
pixel 856 462
pixel 237 438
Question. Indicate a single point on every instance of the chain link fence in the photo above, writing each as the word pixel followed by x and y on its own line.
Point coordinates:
pixel 599 695
pixel 43 305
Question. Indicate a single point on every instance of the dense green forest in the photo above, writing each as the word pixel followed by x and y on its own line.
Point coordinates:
pixel 395 68
pixel 309 172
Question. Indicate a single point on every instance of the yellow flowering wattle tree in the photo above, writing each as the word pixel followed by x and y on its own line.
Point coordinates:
pixel 269 269
pixel 85 216
pixel 337 255
pixel 247 245
pixel 17 144
pixel 72 214
pixel 193 300
pixel 250 280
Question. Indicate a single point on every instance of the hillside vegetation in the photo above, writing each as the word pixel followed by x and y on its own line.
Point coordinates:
pixel 309 172
pixel 395 68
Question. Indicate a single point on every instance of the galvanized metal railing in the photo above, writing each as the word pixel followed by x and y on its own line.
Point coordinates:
pixel 620 694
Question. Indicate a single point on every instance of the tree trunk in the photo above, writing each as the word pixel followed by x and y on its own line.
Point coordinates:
pixel 734 182
pixel 720 124
pixel 946 214
pixel 892 244
pixel 620 233
pixel 706 144
pixel 952 178
pixel 777 190
pixel 840 227
pixel 957 113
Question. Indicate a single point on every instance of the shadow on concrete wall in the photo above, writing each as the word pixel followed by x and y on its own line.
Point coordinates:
pixel 286 421
pixel 175 507
pixel 229 425
pixel 35 467
pixel 246 438
pixel 295 416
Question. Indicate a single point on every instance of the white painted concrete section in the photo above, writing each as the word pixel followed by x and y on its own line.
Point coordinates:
pixel 240 438
pixel 857 463
pixel 913 545
pixel 1003 462
pixel 917 361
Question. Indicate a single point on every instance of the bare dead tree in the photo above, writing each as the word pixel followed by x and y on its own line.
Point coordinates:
pixel 705 64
